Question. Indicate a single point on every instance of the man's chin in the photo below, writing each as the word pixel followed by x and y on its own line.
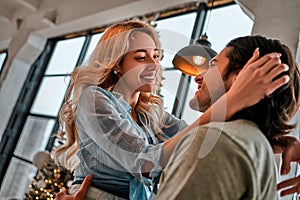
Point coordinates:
pixel 194 105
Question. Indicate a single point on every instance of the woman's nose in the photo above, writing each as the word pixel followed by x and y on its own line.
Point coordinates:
pixel 153 64
pixel 153 60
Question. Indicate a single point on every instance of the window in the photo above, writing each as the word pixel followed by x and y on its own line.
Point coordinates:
pixel 40 122
pixel 175 33
pixel 93 43
pixel 54 84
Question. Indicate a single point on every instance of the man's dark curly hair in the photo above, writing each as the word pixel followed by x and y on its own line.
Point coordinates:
pixel 273 113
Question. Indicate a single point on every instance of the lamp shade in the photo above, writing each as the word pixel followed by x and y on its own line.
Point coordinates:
pixel 193 59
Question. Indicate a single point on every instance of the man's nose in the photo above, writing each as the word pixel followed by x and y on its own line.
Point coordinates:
pixel 198 78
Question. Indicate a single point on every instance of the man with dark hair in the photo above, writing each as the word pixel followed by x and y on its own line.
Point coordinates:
pixel 234 159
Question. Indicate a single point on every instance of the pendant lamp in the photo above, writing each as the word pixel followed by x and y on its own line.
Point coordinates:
pixel 194 58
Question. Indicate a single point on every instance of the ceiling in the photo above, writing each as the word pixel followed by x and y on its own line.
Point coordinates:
pixel 51 18
pixel 42 14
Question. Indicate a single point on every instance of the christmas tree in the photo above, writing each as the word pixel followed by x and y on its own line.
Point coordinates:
pixel 50 178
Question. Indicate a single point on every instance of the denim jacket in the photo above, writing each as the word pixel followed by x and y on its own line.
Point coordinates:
pixel 113 147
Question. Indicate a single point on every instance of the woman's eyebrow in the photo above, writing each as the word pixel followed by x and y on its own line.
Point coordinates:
pixel 144 50
pixel 140 50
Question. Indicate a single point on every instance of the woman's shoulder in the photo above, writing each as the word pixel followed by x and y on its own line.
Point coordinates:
pixel 92 94
pixel 93 90
pixel 98 94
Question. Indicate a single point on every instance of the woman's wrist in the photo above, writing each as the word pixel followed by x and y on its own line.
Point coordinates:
pixel 233 105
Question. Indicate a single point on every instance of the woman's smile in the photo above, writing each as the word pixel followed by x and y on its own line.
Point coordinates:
pixel 149 77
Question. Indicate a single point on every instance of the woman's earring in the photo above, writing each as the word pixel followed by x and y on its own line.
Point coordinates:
pixel 115 72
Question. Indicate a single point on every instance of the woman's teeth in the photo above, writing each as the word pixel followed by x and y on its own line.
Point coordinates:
pixel 148 77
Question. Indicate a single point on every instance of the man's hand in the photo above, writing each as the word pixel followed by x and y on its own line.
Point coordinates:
pixel 290 147
pixel 80 194
pixel 291 186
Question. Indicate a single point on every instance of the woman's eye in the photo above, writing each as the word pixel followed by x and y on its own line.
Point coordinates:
pixel 156 57
pixel 141 58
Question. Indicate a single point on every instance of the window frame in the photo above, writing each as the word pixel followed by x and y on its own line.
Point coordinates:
pixel 4 61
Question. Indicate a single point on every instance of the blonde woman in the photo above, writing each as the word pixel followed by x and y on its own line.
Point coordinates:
pixel 116 123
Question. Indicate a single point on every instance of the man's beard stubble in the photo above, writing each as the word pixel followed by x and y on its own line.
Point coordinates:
pixel 196 105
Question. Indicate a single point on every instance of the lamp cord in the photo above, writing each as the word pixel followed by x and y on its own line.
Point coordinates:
pixel 208 20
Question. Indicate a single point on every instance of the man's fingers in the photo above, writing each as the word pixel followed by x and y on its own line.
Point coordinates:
pixel 80 194
pixel 61 194
pixel 286 162
pixel 291 190
pixel 286 139
pixel 86 182
pixel 285 168
pixel 291 150
pixel 289 182
pixel 84 187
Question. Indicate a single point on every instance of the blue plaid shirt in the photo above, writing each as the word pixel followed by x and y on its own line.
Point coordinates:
pixel 113 147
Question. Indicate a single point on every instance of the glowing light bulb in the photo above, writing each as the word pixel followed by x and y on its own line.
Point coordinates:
pixel 199 60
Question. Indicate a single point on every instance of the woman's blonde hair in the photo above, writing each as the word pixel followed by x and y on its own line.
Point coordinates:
pixel 111 48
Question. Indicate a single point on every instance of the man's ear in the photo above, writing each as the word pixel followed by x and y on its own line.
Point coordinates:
pixel 233 77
